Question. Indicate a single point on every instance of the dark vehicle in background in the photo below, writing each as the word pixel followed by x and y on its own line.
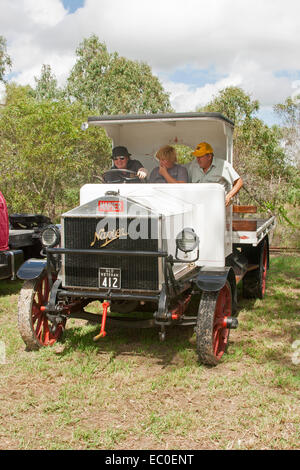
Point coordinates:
pixel 20 239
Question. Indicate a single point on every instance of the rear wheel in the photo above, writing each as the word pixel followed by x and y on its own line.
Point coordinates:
pixel 211 333
pixel 35 328
pixel 254 283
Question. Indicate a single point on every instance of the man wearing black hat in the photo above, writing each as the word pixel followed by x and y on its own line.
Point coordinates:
pixel 122 161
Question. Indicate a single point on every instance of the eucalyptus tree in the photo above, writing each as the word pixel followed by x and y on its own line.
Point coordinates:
pixel 111 84
pixel 46 85
pixel 258 153
pixel 45 156
pixel 5 60
pixel 289 112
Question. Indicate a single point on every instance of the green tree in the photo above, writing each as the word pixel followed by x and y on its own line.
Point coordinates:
pixel 235 104
pixel 46 85
pixel 289 112
pixel 110 84
pixel 5 60
pixel 45 156
pixel 258 154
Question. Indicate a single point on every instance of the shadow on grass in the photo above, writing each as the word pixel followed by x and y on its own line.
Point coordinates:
pixel 277 312
pixel 8 287
pixel 130 342
pixel 274 306
pixel 281 300
pixel 273 318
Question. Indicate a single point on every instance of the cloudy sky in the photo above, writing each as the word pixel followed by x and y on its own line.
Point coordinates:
pixel 195 47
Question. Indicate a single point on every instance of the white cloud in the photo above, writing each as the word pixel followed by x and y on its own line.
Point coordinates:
pixel 168 33
pixel 187 98
pixel 60 66
pixel 44 12
pixel 244 41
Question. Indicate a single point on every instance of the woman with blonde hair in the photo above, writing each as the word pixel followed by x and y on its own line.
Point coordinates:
pixel 168 171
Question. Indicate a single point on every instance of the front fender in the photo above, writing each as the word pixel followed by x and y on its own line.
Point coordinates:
pixel 212 279
pixel 32 269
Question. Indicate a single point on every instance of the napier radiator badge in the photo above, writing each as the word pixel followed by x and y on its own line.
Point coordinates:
pixel 108 237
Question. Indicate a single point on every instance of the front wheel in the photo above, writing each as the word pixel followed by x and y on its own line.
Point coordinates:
pixel 35 328
pixel 211 332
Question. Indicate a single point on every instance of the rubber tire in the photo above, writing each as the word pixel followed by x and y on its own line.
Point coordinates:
pixel 254 282
pixel 206 325
pixel 30 298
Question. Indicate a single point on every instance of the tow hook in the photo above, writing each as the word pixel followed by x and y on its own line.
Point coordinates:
pixel 230 322
pixel 102 333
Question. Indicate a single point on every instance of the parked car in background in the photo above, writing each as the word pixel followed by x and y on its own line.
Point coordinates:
pixel 19 239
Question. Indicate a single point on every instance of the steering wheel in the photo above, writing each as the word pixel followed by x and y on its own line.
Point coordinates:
pixel 120 176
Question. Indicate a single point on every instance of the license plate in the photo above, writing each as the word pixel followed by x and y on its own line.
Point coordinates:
pixel 110 278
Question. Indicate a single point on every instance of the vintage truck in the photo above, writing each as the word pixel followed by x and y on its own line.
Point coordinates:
pixel 173 250
pixel 19 239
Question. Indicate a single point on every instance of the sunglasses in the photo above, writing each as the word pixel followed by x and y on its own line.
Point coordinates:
pixel 119 158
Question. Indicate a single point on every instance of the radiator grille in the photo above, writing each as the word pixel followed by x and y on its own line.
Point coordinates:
pixel 138 272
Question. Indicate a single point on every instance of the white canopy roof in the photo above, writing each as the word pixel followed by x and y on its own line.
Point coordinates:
pixel 144 134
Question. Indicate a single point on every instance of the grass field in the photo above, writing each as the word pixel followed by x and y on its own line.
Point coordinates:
pixel 129 391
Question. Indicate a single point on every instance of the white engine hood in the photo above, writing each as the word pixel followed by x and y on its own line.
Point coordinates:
pixel 199 206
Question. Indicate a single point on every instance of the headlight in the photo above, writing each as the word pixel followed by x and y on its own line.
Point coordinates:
pixel 187 240
pixel 50 236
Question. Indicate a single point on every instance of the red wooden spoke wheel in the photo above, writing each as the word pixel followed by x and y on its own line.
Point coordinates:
pixel 34 326
pixel 220 332
pixel 211 332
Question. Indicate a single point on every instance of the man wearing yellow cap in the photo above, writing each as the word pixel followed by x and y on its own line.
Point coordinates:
pixel 208 169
